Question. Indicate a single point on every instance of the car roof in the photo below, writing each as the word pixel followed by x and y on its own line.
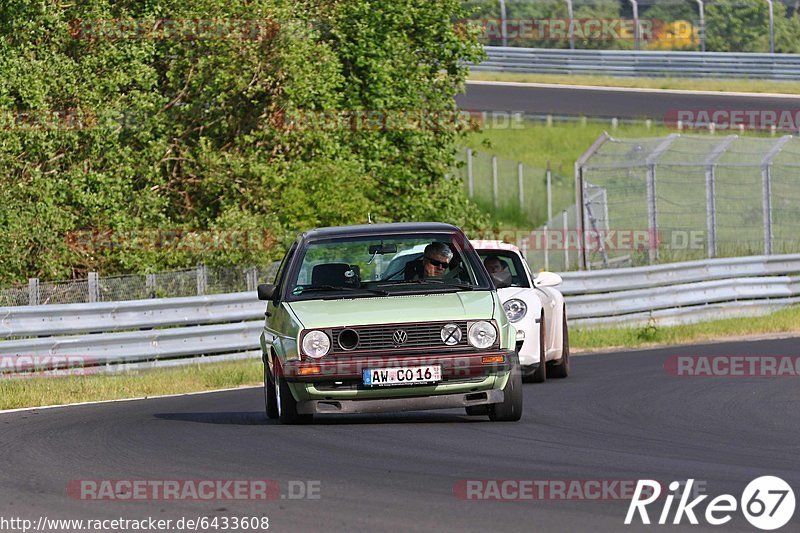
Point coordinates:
pixel 377 229
pixel 493 245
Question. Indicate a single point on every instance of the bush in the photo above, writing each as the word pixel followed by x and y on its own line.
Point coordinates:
pixel 182 133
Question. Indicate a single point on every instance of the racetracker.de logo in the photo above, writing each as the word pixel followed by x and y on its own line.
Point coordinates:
pixel 174 29
pixel 192 489
pixel 727 366
pixel 560 29
pixel 734 119
pixel 544 489
pixel 31 366
pixel 378 120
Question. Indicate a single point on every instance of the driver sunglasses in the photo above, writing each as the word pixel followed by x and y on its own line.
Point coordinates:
pixel 434 262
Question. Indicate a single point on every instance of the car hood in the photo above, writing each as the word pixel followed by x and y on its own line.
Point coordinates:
pixel 507 293
pixel 464 305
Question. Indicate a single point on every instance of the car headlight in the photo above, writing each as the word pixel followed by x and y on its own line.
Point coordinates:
pixel 482 334
pixel 316 343
pixel 515 309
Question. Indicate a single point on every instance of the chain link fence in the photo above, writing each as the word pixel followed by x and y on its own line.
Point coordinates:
pixel 514 192
pixel 190 282
pixel 685 197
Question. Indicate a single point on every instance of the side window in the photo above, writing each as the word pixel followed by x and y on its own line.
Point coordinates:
pixel 279 275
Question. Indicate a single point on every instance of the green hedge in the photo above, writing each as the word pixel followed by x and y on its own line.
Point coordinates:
pixel 105 128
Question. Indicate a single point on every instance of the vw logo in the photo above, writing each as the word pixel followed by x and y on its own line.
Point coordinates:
pixel 399 337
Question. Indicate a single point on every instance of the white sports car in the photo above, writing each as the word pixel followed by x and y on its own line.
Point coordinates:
pixel 535 308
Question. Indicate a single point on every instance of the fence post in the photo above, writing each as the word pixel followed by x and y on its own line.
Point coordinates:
pixel 546 250
pixel 495 193
pixel 652 214
pixel 202 280
pixel 94 287
pixel 252 278
pixel 767 207
pixel 33 291
pixel 150 285
pixel 565 240
pixel 549 193
pixel 470 181
pixel 579 211
pixel 766 190
pixel 711 195
pixel 521 188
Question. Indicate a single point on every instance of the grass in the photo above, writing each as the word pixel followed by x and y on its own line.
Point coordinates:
pixel 753 86
pixel 535 144
pixel 40 391
pixel 561 144
pixel 786 320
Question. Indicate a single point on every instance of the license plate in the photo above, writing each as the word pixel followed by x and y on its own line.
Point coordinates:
pixel 412 375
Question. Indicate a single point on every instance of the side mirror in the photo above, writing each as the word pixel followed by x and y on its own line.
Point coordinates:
pixel 547 279
pixel 501 279
pixel 266 291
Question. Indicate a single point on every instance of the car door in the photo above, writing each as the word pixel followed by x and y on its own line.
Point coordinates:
pixel 272 325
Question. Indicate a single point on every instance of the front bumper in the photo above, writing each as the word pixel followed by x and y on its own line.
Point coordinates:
pixel 383 405
pixel 455 366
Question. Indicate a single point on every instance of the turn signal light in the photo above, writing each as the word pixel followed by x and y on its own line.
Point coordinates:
pixel 492 359
pixel 306 370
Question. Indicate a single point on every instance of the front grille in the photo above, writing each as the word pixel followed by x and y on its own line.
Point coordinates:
pixel 420 336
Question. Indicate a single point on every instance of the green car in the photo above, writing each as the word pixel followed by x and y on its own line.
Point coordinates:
pixel 387 317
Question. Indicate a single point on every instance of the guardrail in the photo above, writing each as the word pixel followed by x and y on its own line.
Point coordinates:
pixel 682 292
pixel 641 63
pixel 168 331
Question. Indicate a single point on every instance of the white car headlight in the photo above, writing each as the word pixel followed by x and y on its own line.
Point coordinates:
pixel 316 344
pixel 515 309
pixel 482 334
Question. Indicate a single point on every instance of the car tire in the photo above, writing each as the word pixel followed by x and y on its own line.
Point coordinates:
pixel 270 400
pixel 540 376
pixel 286 405
pixel 560 369
pixel 510 409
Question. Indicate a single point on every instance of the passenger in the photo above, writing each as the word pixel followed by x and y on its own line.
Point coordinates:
pixel 494 265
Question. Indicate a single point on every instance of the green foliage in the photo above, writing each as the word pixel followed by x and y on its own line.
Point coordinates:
pixel 743 26
pixel 180 133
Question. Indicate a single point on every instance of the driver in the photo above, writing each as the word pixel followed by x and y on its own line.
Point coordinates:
pixel 494 265
pixel 435 259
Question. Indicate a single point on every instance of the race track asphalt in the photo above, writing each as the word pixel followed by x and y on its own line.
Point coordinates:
pixel 609 103
pixel 619 416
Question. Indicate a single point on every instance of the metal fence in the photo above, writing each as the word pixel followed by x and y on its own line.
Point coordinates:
pixel 684 197
pixel 197 281
pixel 168 331
pixel 515 190
pixel 641 63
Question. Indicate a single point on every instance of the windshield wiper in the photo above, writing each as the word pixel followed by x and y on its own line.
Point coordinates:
pixel 333 288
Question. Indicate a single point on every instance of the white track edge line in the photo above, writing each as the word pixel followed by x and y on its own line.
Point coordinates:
pixel 118 400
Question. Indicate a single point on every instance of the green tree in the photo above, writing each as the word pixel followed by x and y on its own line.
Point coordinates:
pixel 743 26
pixel 181 133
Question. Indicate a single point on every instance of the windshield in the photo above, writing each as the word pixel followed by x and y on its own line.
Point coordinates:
pixel 384 265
